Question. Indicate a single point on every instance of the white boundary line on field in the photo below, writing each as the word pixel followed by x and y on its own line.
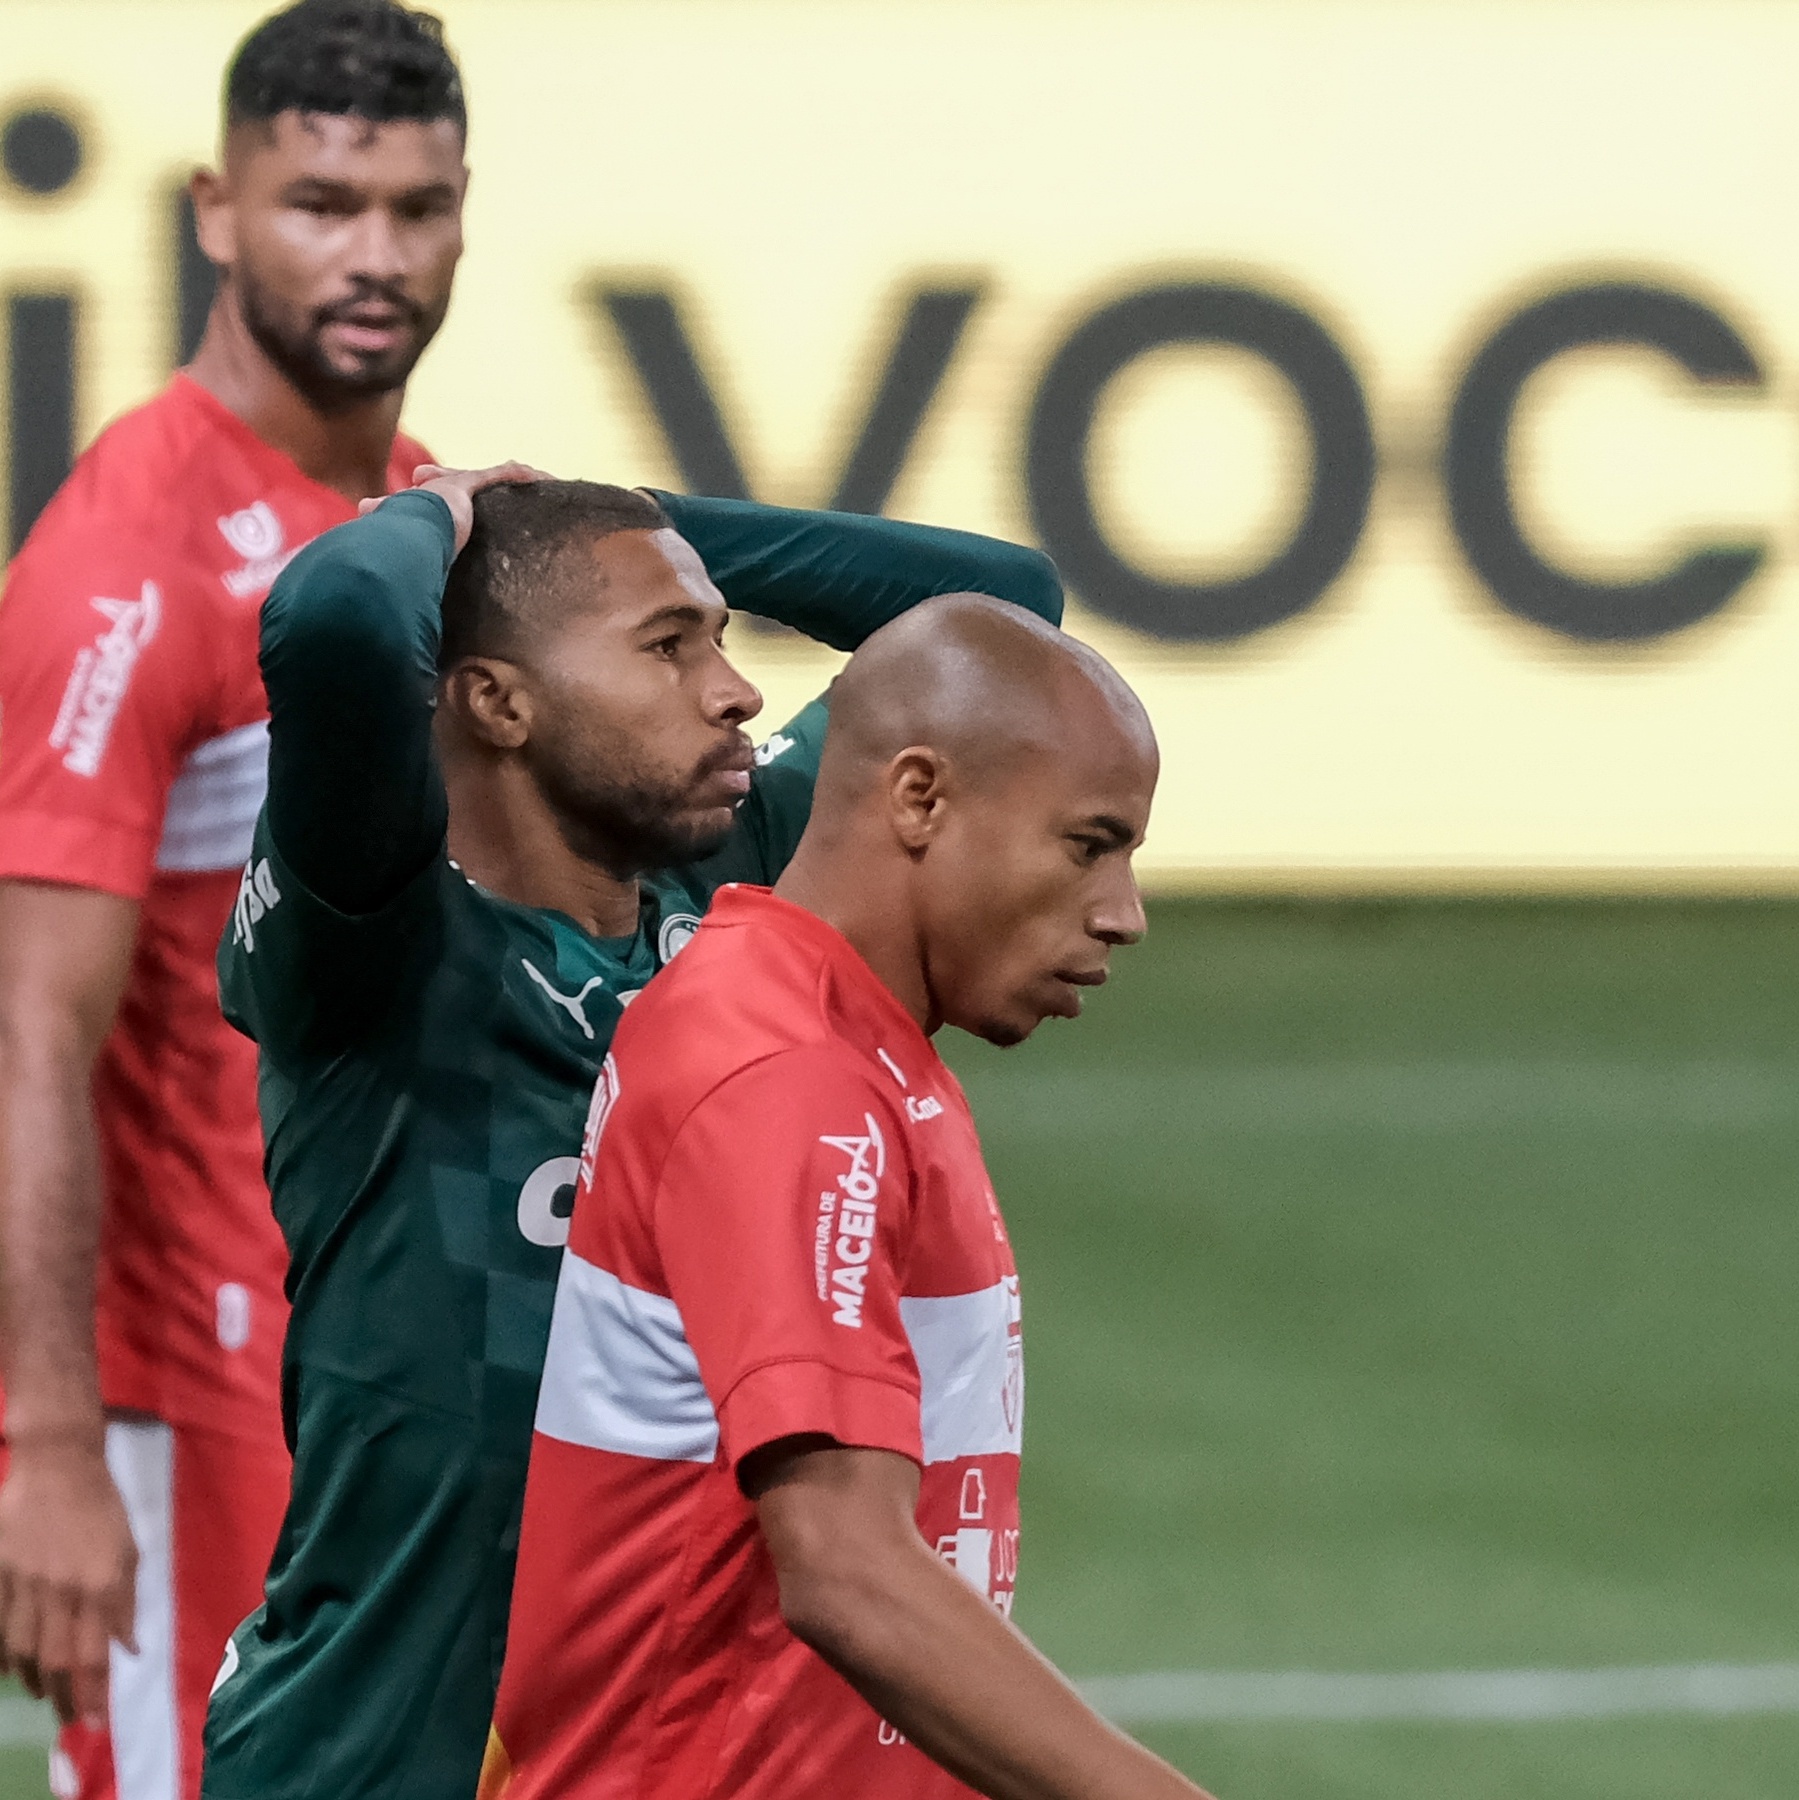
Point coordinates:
pixel 1472 1696
pixel 1499 1696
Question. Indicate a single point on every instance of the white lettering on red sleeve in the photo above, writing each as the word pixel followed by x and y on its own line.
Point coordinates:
pixel 101 679
pixel 860 1185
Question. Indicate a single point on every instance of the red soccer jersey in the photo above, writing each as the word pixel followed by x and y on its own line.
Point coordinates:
pixel 133 758
pixel 784 1225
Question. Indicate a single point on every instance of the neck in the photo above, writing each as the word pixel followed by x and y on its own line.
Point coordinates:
pixel 345 451
pixel 830 878
pixel 504 837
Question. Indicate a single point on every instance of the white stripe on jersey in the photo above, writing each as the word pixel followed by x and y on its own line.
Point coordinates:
pixel 620 1374
pixel 971 1366
pixel 211 817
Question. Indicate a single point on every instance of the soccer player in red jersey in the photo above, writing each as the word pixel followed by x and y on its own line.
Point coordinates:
pixel 141 1307
pixel 771 1527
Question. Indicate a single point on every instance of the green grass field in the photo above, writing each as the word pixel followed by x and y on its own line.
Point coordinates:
pixel 1411 1288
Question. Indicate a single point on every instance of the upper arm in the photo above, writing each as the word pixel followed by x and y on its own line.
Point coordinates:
pixel 108 679
pixel 813 1497
pixel 839 577
pixel 65 954
pixel 349 648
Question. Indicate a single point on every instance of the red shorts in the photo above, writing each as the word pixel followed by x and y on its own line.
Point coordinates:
pixel 204 1509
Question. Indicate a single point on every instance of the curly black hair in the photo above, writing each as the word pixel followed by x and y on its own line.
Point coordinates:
pixel 371 58
pixel 522 570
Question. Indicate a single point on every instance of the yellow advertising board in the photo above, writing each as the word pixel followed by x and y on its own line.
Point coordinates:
pixel 1405 386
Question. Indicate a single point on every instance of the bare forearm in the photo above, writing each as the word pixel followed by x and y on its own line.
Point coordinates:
pixel 942 1666
pixel 49 1234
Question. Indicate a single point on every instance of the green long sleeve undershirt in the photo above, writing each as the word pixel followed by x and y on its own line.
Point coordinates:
pixel 350 638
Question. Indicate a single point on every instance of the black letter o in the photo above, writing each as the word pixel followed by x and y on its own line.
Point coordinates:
pixel 1062 421
pixel 1480 495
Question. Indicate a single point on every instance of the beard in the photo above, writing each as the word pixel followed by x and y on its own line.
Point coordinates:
pixel 625 820
pixel 295 344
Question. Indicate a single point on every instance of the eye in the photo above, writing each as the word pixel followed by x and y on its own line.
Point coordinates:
pixel 1089 849
pixel 668 648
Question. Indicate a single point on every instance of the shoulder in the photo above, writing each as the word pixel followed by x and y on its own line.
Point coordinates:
pixel 127 512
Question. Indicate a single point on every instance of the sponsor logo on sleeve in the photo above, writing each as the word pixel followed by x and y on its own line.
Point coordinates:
pixel 776 746
pixel 844 1240
pixel 101 679
pixel 256 535
pixel 257 897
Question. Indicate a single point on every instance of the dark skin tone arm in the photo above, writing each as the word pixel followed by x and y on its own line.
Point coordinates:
pixel 67 1561
pixel 930 1655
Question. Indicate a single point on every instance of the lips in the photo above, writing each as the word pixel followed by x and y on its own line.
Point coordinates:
pixel 729 768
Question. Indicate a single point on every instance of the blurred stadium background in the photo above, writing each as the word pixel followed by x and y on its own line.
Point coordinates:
pixel 1406 387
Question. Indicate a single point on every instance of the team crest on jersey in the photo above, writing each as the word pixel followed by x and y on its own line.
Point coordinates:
pixel 677 933
pixel 101 679
pixel 256 535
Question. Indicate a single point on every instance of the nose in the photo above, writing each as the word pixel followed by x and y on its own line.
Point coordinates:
pixel 1118 916
pixel 733 700
pixel 377 252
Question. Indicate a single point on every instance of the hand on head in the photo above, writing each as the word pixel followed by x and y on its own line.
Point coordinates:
pixel 457 489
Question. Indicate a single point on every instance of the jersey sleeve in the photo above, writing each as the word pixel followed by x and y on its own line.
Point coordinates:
pixel 107 682
pixel 339 908
pixel 783 1218
pixel 839 577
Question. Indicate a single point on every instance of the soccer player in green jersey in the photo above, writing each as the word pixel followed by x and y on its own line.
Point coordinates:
pixel 507 772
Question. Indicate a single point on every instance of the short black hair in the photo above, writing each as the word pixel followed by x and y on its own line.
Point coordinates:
pixel 372 59
pixel 515 575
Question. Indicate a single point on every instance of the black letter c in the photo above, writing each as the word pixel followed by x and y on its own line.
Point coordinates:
pixel 1480 497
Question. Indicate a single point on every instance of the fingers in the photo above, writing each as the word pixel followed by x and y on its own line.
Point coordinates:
pixel 90 1664
pixel 21 1633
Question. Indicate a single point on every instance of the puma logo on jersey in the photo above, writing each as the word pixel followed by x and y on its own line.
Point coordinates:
pixel 102 677
pixel 256 534
pixel 778 745
pixel 861 1187
pixel 575 1005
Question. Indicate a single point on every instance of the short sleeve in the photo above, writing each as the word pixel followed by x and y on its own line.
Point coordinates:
pixel 783 1218
pixel 106 684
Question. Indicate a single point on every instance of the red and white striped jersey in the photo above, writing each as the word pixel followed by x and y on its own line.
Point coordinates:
pixel 784 1226
pixel 133 759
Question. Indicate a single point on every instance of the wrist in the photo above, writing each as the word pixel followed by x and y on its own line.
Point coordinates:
pixel 61 1440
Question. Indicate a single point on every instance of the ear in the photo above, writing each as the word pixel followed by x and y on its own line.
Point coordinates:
pixel 215 218
pixel 491 701
pixel 918 784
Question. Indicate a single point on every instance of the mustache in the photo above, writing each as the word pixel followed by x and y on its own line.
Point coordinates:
pixel 736 752
pixel 367 291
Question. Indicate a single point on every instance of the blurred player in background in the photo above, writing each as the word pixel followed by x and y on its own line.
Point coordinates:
pixel 140 1270
pixel 777 1445
pixel 507 772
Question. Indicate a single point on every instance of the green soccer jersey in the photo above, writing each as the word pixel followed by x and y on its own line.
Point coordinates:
pixel 427 1054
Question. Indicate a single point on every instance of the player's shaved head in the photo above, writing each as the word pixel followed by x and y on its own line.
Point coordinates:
pixel 530 563
pixel 984 784
pixel 979 679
